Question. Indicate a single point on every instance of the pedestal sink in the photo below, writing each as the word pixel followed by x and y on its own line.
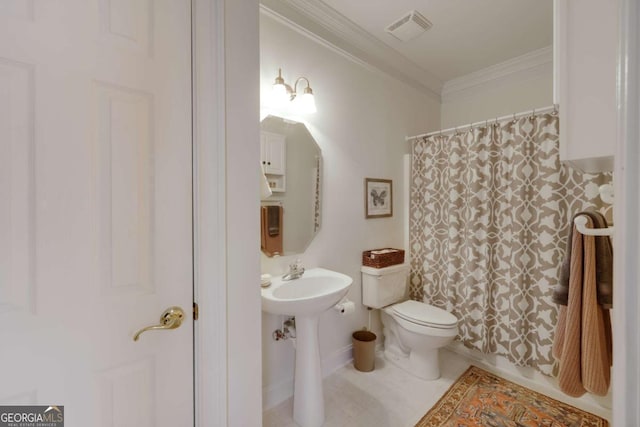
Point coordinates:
pixel 306 298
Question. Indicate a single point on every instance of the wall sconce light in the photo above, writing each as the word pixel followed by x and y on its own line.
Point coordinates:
pixel 284 96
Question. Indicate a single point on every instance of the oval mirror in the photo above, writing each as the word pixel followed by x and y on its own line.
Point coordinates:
pixel 292 164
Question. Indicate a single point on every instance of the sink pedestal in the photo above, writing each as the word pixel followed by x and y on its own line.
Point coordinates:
pixel 306 298
pixel 308 400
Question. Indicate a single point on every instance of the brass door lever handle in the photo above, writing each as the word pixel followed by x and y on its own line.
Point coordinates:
pixel 171 319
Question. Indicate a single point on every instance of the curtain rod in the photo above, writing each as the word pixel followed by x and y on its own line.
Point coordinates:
pixel 543 110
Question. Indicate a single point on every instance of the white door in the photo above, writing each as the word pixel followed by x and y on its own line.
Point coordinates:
pixel 95 209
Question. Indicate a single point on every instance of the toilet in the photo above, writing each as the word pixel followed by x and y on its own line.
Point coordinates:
pixel 413 331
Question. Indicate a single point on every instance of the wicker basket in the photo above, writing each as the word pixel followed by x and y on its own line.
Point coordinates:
pixel 370 259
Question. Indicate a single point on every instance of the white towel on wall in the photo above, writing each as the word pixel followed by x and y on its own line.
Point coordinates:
pixel 265 190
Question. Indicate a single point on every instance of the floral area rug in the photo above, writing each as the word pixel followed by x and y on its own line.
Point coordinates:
pixel 479 398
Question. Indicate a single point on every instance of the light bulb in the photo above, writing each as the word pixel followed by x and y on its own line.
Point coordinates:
pixel 306 103
pixel 279 96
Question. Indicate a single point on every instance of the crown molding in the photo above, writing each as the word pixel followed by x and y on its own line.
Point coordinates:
pixel 524 67
pixel 312 36
pixel 329 26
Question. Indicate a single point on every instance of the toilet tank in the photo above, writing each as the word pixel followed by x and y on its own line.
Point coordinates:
pixel 384 286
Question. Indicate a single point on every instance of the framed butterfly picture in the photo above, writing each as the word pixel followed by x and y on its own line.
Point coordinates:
pixel 378 198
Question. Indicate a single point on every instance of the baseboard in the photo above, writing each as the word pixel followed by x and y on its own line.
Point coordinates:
pixel 274 394
pixel 336 360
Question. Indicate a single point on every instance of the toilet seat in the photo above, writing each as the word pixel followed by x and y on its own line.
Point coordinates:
pixel 424 315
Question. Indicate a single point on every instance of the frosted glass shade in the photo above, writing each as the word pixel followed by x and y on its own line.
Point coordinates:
pixel 305 103
pixel 279 96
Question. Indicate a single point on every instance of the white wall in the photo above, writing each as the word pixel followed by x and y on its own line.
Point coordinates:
pixel 363 117
pixel 511 93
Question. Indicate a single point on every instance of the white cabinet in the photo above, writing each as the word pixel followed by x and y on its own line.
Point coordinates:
pixel 585 56
pixel 273 151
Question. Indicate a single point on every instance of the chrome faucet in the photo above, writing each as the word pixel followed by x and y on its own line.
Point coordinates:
pixel 295 271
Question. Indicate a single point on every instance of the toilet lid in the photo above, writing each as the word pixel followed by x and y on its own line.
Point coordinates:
pixel 425 314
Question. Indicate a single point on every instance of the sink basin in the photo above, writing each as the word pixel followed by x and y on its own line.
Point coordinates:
pixel 317 290
pixel 306 298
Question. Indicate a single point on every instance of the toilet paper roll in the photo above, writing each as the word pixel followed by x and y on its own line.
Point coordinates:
pixel 345 307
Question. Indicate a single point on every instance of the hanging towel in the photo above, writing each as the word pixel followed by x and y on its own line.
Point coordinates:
pixel 582 343
pixel 567 343
pixel 265 190
pixel 273 220
pixel 596 357
pixel 604 265
pixel 271 229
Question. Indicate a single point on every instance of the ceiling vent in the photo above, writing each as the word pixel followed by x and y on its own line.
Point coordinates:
pixel 409 26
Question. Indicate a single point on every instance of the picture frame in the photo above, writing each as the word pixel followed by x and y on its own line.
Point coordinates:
pixel 378 198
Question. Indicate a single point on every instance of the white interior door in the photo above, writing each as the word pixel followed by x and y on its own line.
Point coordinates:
pixel 96 208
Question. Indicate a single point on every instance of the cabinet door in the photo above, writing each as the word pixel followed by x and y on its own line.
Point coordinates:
pixel 586 39
pixel 273 153
pixel 263 151
pixel 277 150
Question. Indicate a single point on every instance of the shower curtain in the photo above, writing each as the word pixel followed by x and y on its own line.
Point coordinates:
pixel 489 215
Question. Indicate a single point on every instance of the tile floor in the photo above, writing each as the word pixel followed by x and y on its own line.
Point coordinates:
pixel 385 397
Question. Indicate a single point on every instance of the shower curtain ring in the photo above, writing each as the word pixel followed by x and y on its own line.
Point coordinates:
pixel 533 114
pixel 514 118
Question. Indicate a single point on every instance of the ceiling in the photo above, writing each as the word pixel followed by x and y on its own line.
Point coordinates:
pixel 466 36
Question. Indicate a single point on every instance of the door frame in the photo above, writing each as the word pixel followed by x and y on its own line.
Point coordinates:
pixel 626 316
pixel 227 335
pixel 209 215
pixel 215 398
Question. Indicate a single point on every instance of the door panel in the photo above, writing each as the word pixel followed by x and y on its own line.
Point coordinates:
pixel 16 186
pixel 95 208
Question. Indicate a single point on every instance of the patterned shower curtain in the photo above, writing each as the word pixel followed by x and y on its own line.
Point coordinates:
pixel 489 217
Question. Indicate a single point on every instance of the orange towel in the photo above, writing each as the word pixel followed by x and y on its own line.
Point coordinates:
pixel 569 374
pixel 596 359
pixel 582 343
pixel 270 242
